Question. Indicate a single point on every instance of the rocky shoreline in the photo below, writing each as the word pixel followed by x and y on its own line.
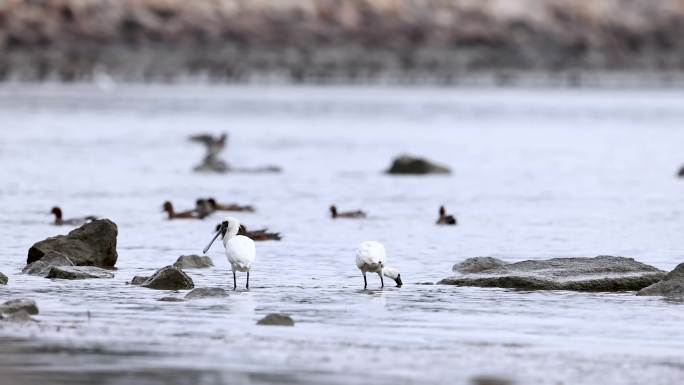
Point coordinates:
pixel 334 41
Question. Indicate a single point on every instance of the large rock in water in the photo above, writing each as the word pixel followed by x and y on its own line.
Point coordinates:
pixel 78 272
pixel 169 278
pixel 406 164
pixel 274 319
pixel 193 262
pixel 477 264
pixel 93 244
pixel 671 286
pixel 206 292
pixel 42 266
pixel 3 279
pixel 602 273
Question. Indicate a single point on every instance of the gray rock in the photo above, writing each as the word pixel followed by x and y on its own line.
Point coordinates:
pixel 671 286
pixel 138 280
pixel 42 266
pixel 3 279
pixel 20 317
pixel 93 244
pixel 171 299
pixel 406 164
pixel 602 273
pixel 193 262
pixel 169 278
pixel 477 264
pixel 17 305
pixel 206 292
pixel 276 320
pixel 78 272
pixel 490 380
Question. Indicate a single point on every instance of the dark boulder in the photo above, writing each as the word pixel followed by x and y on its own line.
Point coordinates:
pixel 93 244
pixel 17 305
pixel 409 165
pixel 193 262
pixel 206 292
pixel 19 317
pixel 78 272
pixel 169 278
pixel 602 273
pixel 477 264
pixel 3 279
pixel 681 172
pixel 171 299
pixel 276 320
pixel 138 280
pixel 42 266
pixel 671 286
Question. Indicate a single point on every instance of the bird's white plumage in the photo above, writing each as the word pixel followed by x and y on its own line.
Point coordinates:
pixel 370 256
pixel 390 272
pixel 240 250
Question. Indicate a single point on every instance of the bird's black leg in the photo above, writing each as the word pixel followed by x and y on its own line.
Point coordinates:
pixel 234 281
pixel 365 283
pixel 382 282
pixel 247 286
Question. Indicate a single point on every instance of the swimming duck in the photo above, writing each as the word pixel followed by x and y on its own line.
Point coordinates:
pixel 59 221
pixel 349 214
pixel 259 235
pixel 240 250
pixel 445 219
pixel 370 258
pixel 190 214
pixel 228 207
pixel 203 208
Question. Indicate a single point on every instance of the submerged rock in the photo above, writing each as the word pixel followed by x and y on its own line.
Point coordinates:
pixel 78 272
pixel 93 244
pixel 206 292
pixel 671 286
pixel 490 380
pixel 276 320
pixel 171 299
pixel 193 262
pixel 19 317
pixel 3 279
pixel 477 264
pixel 406 164
pixel 138 280
pixel 602 273
pixel 42 266
pixel 169 278
pixel 16 305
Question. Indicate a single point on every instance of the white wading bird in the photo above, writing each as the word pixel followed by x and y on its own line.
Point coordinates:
pixel 370 258
pixel 240 250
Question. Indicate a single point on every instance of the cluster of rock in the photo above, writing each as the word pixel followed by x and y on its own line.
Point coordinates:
pixel 86 252
pixel 602 273
pixel 317 40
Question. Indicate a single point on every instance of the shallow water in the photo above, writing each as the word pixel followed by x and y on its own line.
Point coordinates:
pixel 537 173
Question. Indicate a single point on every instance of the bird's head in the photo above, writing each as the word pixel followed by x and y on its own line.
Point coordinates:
pixel 212 203
pixel 442 211
pixel 333 211
pixel 394 274
pixel 167 206
pixel 56 211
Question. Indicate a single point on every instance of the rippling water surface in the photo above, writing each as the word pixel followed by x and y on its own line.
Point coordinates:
pixel 537 174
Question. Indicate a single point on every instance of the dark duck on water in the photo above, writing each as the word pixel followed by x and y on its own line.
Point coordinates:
pixel 347 214
pixel 59 221
pixel 445 219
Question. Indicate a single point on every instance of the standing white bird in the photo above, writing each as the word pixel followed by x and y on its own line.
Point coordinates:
pixel 240 250
pixel 370 258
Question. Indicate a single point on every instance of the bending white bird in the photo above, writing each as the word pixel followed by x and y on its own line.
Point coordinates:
pixel 370 258
pixel 240 250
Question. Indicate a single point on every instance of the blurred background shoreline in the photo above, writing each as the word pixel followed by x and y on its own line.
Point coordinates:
pixel 456 42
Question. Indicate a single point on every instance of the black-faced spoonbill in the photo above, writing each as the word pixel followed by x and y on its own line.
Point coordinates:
pixel 240 250
pixel 370 258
